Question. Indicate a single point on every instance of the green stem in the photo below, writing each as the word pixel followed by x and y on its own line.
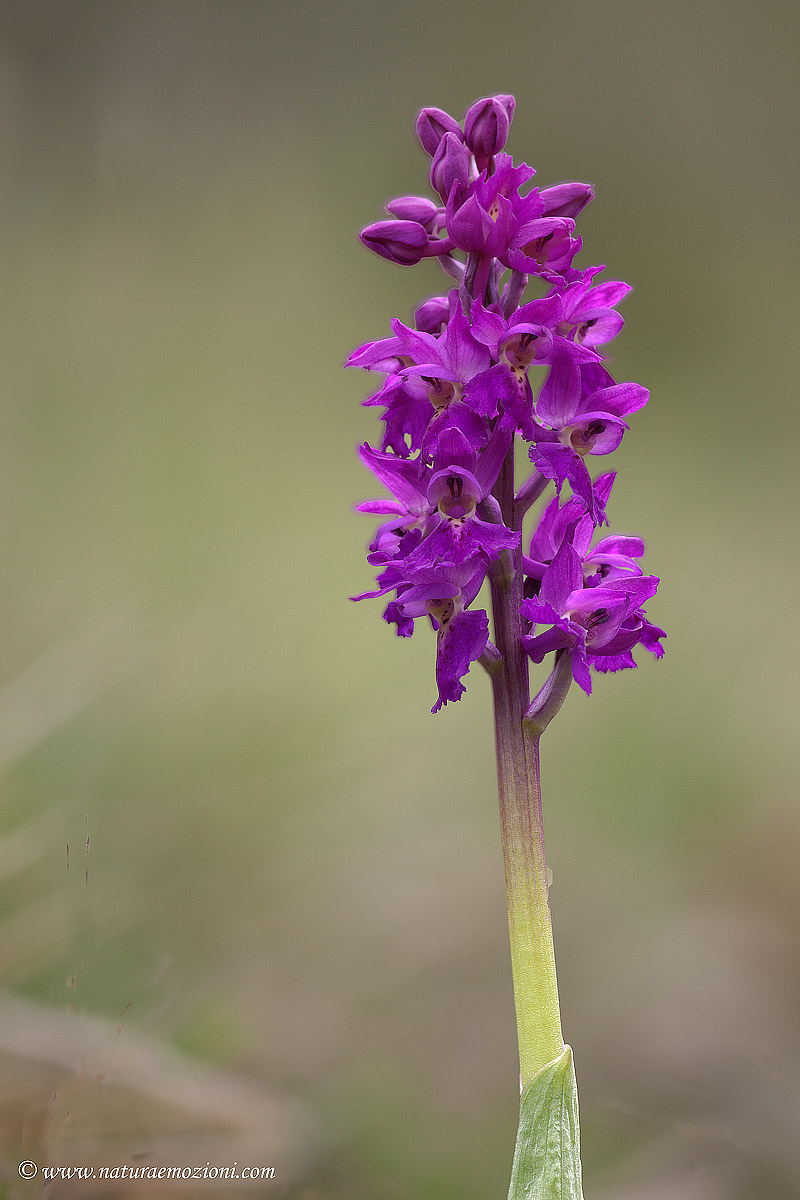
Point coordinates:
pixel 518 782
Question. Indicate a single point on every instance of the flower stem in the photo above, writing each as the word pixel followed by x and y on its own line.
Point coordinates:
pixel 518 782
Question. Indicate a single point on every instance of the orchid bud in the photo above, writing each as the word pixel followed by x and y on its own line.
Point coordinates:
pixel 415 208
pixel 565 199
pixel 402 242
pixel 432 314
pixel 486 128
pixel 508 103
pixel 432 125
pixel 450 165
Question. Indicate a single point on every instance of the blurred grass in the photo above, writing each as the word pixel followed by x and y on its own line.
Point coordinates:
pixel 293 869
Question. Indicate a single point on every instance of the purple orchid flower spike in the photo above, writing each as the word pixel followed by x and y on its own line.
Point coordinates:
pixel 479 367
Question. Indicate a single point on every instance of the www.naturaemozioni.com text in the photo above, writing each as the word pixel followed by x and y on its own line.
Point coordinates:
pixel 149 1172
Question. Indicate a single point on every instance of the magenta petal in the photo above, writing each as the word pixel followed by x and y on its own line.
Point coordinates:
pixel 553 525
pixel 562 578
pixel 545 311
pixel 560 396
pixel 460 644
pixel 462 541
pixel 421 347
pixel 637 591
pixel 612 662
pixel 580 671
pixel 539 612
pixel 382 508
pixel 616 543
pixel 597 432
pixel 399 475
pixel 455 416
pixel 619 400
pixel 492 459
pixel 485 391
pixel 382 355
pixel 563 465
pixel 538 647
pixel 651 639
pixel 598 326
pixel 488 326
pixel 609 294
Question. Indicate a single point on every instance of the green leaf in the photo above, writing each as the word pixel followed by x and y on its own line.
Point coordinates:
pixel 547 1161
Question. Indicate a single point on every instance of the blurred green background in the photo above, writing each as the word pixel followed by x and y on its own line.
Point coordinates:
pixel 286 944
